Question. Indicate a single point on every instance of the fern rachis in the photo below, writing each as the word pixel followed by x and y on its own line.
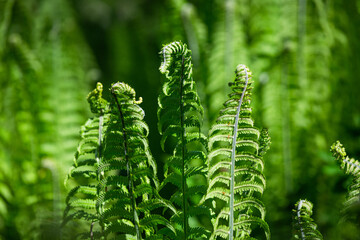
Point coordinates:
pixel 233 151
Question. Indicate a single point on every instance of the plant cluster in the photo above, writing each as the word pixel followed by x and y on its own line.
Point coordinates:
pixel 114 176
pixel 306 93
pixel 218 177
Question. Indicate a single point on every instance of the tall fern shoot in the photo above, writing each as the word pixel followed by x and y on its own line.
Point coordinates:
pixel 180 117
pixel 235 175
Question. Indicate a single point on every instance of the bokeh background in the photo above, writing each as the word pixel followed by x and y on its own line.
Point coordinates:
pixel 304 55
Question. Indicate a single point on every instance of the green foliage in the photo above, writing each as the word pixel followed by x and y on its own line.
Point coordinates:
pixel 180 118
pixel 235 175
pixel 43 79
pixel 304 54
pixel 303 225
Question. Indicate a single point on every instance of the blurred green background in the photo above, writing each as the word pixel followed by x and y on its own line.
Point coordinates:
pixel 304 55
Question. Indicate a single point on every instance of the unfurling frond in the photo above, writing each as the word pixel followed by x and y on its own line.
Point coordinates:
pixel 116 187
pixel 128 166
pixel 180 116
pixel 236 180
pixel 97 104
pixel 351 167
pixel 81 200
pixel 303 225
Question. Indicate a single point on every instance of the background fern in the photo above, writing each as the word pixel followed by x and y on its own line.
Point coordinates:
pixel 39 132
pixel 304 51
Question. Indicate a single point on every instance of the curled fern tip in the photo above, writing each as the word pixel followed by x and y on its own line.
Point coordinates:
pixel 97 103
pixel 124 91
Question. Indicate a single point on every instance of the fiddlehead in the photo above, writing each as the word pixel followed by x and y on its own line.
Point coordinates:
pixel 180 116
pixel 236 180
pixel 303 225
pixel 351 167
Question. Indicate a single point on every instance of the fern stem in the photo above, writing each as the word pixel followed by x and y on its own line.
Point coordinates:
pixel 299 217
pixel 91 230
pixel 233 152
pixel 352 164
pixel 128 169
pixel 183 148
pixel 100 175
pixel 98 150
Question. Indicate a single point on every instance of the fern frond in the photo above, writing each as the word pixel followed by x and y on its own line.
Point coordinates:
pixel 81 200
pixel 129 169
pixel 303 225
pixel 180 117
pixel 351 167
pixel 235 175
pixel 115 171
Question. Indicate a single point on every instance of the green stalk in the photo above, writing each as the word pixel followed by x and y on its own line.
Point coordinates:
pixel 183 150
pixel 100 175
pixel 233 152
pixel 298 218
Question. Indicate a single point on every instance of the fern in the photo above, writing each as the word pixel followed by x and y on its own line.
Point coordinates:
pixel 114 157
pixel 351 167
pixel 81 200
pixel 303 225
pixel 236 180
pixel 180 116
